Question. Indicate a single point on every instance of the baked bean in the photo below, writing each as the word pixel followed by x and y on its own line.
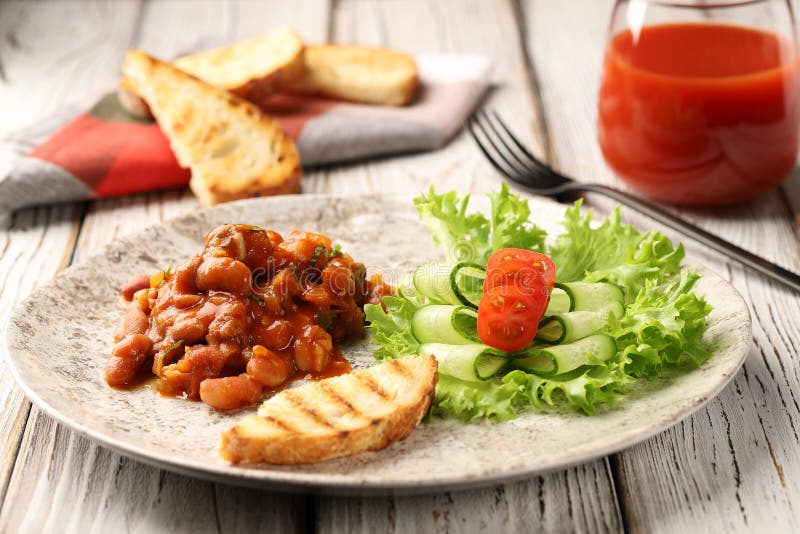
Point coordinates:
pixel 189 328
pixel 318 296
pixel 230 392
pixel 230 321
pixel 186 275
pixel 186 301
pixel 200 363
pixel 223 274
pixel 267 367
pixel 338 278
pixel 133 285
pixel 276 335
pixel 135 321
pixel 259 248
pixel 312 348
pixel 126 359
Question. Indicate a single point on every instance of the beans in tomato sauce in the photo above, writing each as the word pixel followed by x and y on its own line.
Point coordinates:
pixel 248 314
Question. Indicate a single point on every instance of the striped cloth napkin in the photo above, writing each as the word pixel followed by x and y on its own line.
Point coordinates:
pixel 105 152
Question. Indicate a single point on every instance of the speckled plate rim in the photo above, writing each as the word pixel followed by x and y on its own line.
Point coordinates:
pixel 325 483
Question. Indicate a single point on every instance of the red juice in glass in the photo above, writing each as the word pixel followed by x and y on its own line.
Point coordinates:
pixel 700 113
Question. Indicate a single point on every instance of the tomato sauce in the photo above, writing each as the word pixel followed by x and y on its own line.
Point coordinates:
pixel 700 113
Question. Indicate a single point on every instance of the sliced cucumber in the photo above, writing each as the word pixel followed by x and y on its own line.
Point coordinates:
pixel 472 362
pixel 433 281
pixel 559 302
pixel 558 359
pixel 588 296
pixel 466 280
pixel 444 323
pixel 571 326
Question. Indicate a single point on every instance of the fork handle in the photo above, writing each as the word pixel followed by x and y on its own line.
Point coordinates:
pixel 767 268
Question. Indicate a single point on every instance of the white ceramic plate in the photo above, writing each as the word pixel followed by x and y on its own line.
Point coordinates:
pixel 58 340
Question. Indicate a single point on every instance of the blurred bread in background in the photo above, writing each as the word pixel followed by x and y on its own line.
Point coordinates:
pixel 278 61
pixel 232 148
pixel 357 73
pixel 252 69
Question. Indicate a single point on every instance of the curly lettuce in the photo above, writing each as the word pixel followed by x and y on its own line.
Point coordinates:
pixel 471 236
pixel 660 330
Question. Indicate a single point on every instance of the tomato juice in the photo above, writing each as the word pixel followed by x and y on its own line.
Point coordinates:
pixel 700 113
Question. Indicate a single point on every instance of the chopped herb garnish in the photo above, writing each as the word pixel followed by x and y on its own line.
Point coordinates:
pixel 252 296
pixel 335 251
pixel 174 346
pixel 318 251
pixel 325 320
pixel 360 271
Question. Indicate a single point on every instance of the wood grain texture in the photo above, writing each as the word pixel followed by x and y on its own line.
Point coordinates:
pixel 733 466
pixel 85 487
pixel 38 242
pixel 578 499
pixel 34 247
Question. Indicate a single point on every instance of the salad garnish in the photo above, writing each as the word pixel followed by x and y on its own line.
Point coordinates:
pixel 518 323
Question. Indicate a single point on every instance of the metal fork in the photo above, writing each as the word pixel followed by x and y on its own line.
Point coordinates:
pixel 509 156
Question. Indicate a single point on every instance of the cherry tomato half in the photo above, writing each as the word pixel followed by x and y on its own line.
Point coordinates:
pixel 508 315
pixel 516 258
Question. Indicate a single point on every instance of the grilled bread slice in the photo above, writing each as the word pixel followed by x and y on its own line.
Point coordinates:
pixel 341 416
pixel 359 74
pixel 232 148
pixel 252 69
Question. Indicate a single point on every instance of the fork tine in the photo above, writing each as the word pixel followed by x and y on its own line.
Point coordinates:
pixel 514 173
pixel 533 159
pixel 533 167
pixel 537 177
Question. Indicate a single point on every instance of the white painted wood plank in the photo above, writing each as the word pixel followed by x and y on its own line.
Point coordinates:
pixel 58 56
pixel 578 499
pixel 36 245
pixel 39 241
pixel 85 487
pixel 733 466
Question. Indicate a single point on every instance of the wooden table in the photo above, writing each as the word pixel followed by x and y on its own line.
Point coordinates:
pixel 734 466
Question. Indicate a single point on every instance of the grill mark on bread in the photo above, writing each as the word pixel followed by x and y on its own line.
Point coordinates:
pixel 280 423
pixel 283 434
pixel 300 404
pixel 336 397
pixel 374 386
pixel 400 368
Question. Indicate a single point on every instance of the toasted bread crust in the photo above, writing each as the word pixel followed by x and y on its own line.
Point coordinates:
pixel 232 148
pixel 132 102
pixel 358 74
pixel 253 69
pixel 362 411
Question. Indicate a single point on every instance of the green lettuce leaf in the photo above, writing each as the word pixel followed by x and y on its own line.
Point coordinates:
pixel 500 400
pixel 475 400
pixel 391 329
pixel 471 236
pixel 462 236
pixel 612 252
pixel 662 328
pixel 511 227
